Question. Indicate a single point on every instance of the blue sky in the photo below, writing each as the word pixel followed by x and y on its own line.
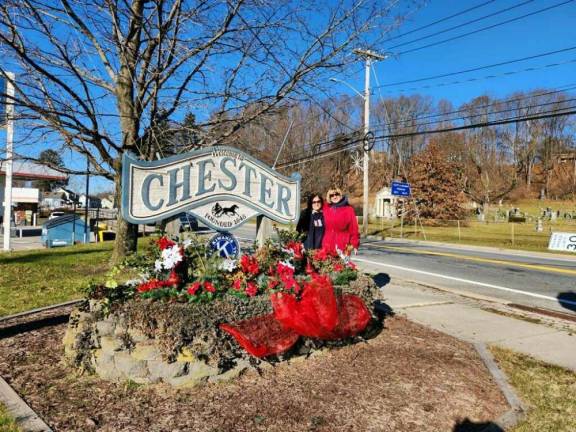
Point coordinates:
pixel 547 31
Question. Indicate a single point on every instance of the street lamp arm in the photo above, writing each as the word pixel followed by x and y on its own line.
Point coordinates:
pixel 349 86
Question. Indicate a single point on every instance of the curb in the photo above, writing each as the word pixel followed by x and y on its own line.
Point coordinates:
pixel 38 310
pixel 517 412
pixel 24 416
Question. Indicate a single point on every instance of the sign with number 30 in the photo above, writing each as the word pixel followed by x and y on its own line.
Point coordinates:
pixel 561 241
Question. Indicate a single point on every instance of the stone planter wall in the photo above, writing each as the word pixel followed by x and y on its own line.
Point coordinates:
pixel 174 343
pixel 115 352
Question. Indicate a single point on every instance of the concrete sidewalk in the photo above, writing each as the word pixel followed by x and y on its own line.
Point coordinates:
pixel 481 321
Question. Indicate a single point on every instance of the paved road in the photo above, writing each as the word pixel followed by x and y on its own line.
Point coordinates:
pixel 523 278
pixel 532 280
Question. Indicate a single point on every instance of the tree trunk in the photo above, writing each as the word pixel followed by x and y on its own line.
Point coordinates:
pixel 126 233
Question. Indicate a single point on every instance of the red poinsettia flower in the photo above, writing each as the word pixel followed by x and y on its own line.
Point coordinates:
pixel 273 283
pixel 237 284
pixel 249 264
pixel 296 248
pixel 284 270
pixel 309 268
pixel 165 243
pixel 321 255
pixel 291 285
pixel 251 289
pixel 193 288
pixel 150 285
pixel 338 267
pixel 173 279
pixel 352 265
pixel 209 287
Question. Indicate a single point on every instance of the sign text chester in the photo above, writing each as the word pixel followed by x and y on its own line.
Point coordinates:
pixel 222 186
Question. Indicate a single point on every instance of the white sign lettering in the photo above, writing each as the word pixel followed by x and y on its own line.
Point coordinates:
pixel 222 186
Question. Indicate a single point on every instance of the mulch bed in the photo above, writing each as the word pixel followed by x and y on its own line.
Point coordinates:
pixel 408 378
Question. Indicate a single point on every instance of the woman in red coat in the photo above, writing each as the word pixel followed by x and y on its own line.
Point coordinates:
pixel 341 230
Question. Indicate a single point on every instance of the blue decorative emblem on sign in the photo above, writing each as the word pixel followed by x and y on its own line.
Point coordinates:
pixel 401 189
pixel 225 245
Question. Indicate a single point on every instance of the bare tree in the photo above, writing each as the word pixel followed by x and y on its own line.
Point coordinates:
pixel 99 76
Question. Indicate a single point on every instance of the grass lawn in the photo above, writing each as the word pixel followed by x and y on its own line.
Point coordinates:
pixel 31 279
pixel 549 392
pixel 6 422
pixel 496 234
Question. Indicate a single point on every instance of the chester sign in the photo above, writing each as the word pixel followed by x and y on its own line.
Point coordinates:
pixel 222 186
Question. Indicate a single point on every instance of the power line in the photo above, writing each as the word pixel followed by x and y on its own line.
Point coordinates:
pixel 440 20
pixel 560 89
pixel 321 144
pixel 477 68
pixel 518 119
pixel 485 28
pixel 356 142
pixel 474 79
pixel 488 114
pixel 498 12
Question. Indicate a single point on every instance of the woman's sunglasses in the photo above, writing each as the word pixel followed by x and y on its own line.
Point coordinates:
pixel 316 202
pixel 334 194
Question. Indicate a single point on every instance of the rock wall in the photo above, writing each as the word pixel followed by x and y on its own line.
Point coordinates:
pixel 108 347
pixel 180 344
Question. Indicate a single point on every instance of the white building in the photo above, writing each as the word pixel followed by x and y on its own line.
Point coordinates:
pixel 25 197
pixel 385 204
pixel 108 202
pixel 93 202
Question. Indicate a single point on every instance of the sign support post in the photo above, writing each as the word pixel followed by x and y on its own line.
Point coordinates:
pixel 263 229
pixel 9 158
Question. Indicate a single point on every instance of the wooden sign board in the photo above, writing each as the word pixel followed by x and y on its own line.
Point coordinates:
pixel 222 186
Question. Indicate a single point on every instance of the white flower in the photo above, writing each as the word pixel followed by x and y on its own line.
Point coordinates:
pixel 228 264
pixel 158 265
pixel 343 256
pixel 186 243
pixel 289 251
pixel 134 282
pixel 287 264
pixel 171 257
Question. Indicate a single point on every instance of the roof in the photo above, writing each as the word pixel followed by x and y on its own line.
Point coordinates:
pixel 31 170
pixel 68 218
pixel 52 195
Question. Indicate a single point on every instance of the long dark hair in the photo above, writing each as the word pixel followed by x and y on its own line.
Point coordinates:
pixel 311 198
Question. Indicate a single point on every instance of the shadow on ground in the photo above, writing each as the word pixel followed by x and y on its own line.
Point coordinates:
pixel 381 279
pixel 381 309
pixel 467 425
pixel 43 255
pixel 567 300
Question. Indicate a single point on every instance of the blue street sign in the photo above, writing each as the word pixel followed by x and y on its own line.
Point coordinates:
pixel 225 245
pixel 401 189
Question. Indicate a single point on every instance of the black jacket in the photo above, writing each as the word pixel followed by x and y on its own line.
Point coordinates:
pixel 312 225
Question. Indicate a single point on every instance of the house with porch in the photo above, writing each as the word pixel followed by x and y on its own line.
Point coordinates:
pixel 26 195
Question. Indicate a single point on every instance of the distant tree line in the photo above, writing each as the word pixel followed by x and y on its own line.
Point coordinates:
pixel 532 158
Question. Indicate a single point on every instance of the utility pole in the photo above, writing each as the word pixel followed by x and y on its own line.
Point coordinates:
pixel 368 56
pixel 9 112
pixel 87 203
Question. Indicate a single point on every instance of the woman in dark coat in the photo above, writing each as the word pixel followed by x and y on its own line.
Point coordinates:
pixel 311 222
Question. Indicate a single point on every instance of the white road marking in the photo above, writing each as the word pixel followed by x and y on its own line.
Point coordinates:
pixel 457 279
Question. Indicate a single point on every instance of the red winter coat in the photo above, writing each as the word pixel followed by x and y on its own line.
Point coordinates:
pixel 341 226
